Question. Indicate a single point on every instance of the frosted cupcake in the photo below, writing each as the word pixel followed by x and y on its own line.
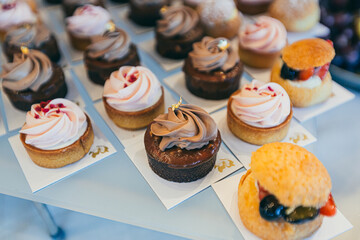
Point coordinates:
pixel 56 133
pixel 260 43
pixel 87 22
pixel 133 97
pixel 259 113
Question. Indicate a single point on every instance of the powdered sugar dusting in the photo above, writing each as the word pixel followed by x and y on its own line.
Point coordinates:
pixel 215 11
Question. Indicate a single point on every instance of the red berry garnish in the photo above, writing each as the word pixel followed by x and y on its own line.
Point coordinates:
pixel 36 116
pixel 52 106
pixel 132 78
pixel 125 85
pixel 38 109
pixel 330 208
pixel 248 88
pixel 270 88
pixel 60 105
pixel 8 6
pixel 323 71
pixel 43 104
pixel 125 74
pixel 306 74
pixel 274 95
pixel 255 88
pixel 45 110
pixel 58 111
pixel 262 192
pixel 330 42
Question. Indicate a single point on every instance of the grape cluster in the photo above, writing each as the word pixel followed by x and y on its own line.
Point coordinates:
pixel 343 19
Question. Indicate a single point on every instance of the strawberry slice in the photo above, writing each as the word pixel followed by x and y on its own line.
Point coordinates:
pixel 323 71
pixel 330 42
pixel 306 74
pixel 329 209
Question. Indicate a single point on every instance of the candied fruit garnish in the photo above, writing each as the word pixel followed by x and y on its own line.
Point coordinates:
pixel 38 108
pixel 37 116
pixel 60 105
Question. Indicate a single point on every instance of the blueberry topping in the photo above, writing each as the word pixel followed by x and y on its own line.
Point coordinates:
pixel 288 73
pixel 270 208
pixel 301 215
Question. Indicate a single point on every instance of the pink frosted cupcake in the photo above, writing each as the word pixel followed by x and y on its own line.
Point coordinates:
pixel 133 97
pixel 259 113
pixel 14 13
pixel 87 22
pixel 261 43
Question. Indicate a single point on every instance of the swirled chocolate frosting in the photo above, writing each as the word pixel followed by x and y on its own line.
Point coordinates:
pixel 187 126
pixel 211 54
pixel 111 46
pixel 29 35
pixel 177 20
pixel 27 71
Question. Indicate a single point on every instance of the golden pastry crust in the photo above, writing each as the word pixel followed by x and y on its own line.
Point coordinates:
pixel 64 156
pixel 308 53
pixel 138 119
pixel 248 203
pixel 294 175
pixel 297 16
pixel 300 96
pixel 256 135
pixel 258 59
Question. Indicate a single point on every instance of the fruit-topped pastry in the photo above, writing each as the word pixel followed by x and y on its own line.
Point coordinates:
pixel 108 53
pixel 56 133
pixel 304 71
pixel 88 21
pixel 285 194
pixel 176 31
pixel 213 69
pixel 259 113
pixel 33 36
pixel 32 78
pixel 14 13
pixel 182 144
pixel 133 97
pixel 261 42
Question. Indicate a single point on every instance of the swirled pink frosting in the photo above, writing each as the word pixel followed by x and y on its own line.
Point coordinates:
pixel 132 89
pixel 265 35
pixel 188 127
pixel 261 104
pixel 88 20
pixel 15 13
pixel 54 124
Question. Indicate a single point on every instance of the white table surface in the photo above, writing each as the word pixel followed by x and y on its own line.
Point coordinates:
pixel 114 189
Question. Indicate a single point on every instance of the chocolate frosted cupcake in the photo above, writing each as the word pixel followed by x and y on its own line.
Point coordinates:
pixel 108 53
pixel 146 12
pixel 213 69
pixel 178 29
pixel 253 6
pixel 32 78
pixel 33 36
pixel 182 144
pixel 69 6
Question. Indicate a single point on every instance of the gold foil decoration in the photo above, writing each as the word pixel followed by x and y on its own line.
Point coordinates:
pixel 110 26
pixel 223 44
pixel 100 149
pixel 163 9
pixel 24 50
pixel 225 163
pixel 299 137
pixel 175 106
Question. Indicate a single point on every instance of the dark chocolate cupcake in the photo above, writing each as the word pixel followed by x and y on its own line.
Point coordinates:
pixel 213 69
pixel 33 36
pixel 176 32
pixel 253 7
pixel 146 12
pixel 69 6
pixel 53 1
pixel 182 144
pixel 32 78
pixel 108 53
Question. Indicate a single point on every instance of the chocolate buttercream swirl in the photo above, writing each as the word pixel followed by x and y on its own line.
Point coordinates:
pixel 27 71
pixel 211 54
pixel 177 20
pixel 29 35
pixel 187 126
pixel 111 46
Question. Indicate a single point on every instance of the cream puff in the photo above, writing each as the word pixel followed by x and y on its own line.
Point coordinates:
pixel 259 113
pixel 304 71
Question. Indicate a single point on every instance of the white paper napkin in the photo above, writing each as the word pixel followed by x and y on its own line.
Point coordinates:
pixel 128 137
pixel 177 83
pixel 226 190
pixel 171 193
pixel 2 126
pixel 123 13
pixel 16 118
pixel 166 63
pixel 297 134
pixel 39 177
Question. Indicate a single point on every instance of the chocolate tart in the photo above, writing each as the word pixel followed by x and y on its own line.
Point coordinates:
pixel 147 14
pixel 49 48
pixel 99 70
pixel 64 156
pixel 180 165
pixel 178 47
pixel 216 84
pixel 54 88
pixel 137 119
pixel 69 6
pixel 256 135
